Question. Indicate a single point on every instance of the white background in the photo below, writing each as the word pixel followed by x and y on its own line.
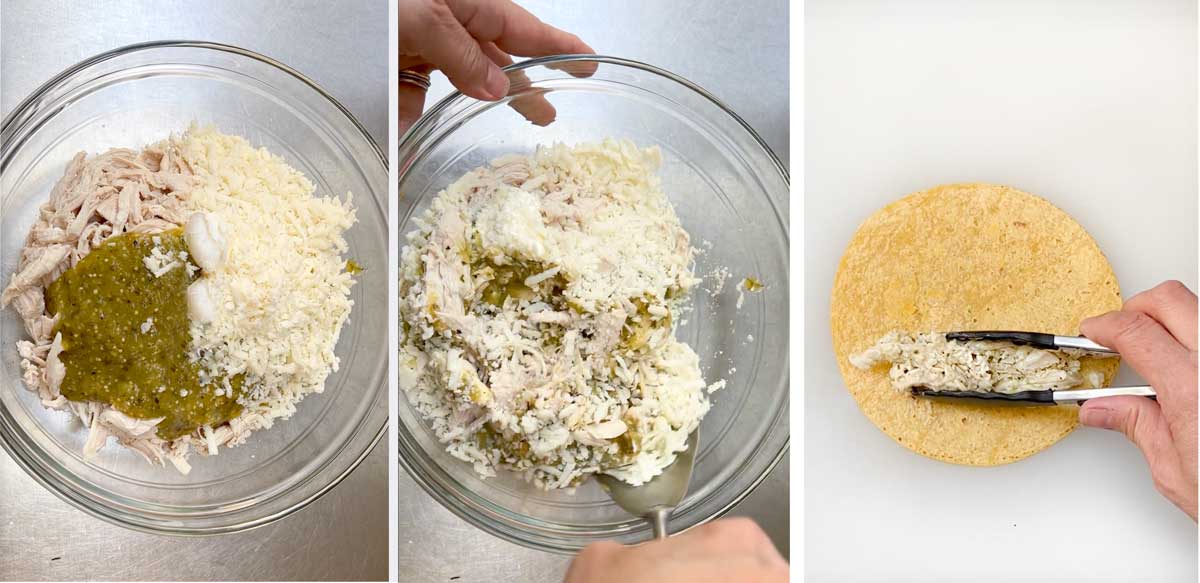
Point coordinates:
pixel 1089 104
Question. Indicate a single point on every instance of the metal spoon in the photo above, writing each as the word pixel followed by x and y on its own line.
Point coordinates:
pixel 655 499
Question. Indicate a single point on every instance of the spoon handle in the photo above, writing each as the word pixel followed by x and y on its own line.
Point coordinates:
pixel 658 521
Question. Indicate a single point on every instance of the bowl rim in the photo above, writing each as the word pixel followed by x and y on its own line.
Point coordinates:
pixel 14 123
pixel 420 129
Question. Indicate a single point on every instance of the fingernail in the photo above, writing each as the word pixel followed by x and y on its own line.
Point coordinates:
pixel 1097 417
pixel 497 83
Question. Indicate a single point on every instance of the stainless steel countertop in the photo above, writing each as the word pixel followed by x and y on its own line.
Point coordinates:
pixel 343 536
pixel 739 52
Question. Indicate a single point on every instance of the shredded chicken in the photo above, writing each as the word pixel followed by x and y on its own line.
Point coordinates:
pixel 931 361
pixel 116 192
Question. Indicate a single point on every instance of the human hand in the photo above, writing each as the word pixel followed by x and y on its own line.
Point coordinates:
pixel 731 550
pixel 469 41
pixel 1155 332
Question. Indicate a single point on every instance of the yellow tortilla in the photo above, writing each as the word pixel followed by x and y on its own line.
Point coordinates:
pixel 966 257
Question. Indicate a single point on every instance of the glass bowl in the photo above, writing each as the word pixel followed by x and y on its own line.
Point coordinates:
pixel 724 183
pixel 137 95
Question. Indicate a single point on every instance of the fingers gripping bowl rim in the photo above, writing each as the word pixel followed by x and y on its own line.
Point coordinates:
pixel 136 95
pixel 723 182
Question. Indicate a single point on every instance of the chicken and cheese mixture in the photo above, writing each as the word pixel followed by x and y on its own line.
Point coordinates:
pixel 930 360
pixel 182 296
pixel 538 298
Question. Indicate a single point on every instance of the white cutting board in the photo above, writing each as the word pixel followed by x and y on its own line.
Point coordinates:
pixel 1089 104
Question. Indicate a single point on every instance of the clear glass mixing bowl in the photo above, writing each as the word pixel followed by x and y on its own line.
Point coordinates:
pixel 137 95
pixel 724 183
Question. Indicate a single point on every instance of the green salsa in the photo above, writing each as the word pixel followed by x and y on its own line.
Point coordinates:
pixel 640 325
pixel 126 337
pixel 506 281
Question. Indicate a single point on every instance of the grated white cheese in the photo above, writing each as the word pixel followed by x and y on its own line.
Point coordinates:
pixel 275 302
pixel 719 275
pixel 160 262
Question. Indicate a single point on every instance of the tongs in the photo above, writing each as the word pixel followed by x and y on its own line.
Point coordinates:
pixel 1034 339
pixel 1035 397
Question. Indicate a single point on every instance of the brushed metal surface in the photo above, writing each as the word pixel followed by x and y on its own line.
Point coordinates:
pixel 342 536
pixel 739 52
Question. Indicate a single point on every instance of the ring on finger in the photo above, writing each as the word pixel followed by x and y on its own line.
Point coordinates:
pixel 420 80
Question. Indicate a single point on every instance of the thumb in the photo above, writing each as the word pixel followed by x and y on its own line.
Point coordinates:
pixel 1143 423
pixel 1139 418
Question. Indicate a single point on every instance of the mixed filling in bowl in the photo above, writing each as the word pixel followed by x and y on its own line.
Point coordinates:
pixel 182 296
pixel 538 302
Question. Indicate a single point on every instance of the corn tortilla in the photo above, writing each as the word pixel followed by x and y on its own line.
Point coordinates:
pixel 967 257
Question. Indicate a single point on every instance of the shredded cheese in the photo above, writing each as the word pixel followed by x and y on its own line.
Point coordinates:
pixel 281 292
pixel 160 261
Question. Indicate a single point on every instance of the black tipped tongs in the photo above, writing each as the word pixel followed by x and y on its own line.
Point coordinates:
pixel 1034 339
pixel 1035 397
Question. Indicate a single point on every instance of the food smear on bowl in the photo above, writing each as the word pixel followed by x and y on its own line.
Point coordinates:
pixel 182 296
pixel 751 284
pixel 748 284
pixel 538 301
